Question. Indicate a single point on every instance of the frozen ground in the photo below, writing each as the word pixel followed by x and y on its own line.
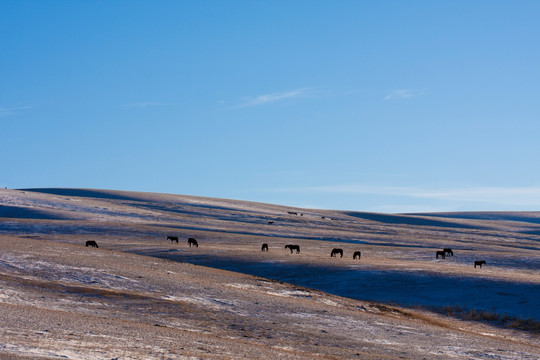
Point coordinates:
pixel 405 288
pixel 127 300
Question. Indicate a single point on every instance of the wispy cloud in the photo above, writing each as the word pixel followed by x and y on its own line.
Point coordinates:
pixel 275 97
pixel 14 110
pixel 142 104
pixel 281 173
pixel 404 94
pixel 517 196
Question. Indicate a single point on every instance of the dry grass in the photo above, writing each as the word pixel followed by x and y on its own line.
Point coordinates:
pixel 118 304
pixel 505 321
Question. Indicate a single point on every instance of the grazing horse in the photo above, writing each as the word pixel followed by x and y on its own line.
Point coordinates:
pixel 293 247
pixel 192 241
pixel 92 243
pixel 479 263
pixel 336 251
pixel 357 253
pixel 448 252
pixel 292 213
pixel 442 253
pixel 270 222
pixel 173 239
pixel 264 247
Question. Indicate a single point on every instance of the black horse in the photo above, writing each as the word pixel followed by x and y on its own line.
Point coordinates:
pixel 264 247
pixel 479 263
pixel 336 251
pixel 448 252
pixel 357 253
pixel 173 239
pixel 192 241
pixel 441 253
pixel 293 247
pixel 92 243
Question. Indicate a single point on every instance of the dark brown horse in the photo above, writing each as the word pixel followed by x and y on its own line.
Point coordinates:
pixel 173 239
pixel 92 243
pixel 192 241
pixel 357 253
pixel 293 247
pixel 441 253
pixel 264 247
pixel 336 251
pixel 448 252
pixel 479 263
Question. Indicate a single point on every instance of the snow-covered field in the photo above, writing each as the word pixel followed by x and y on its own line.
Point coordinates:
pixel 139 296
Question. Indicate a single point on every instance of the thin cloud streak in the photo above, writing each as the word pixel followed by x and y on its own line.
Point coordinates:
pixel 281 173
pixel 10 111
pixel 275 97
pixel 524 196
pixel 404 94
pixel 142 104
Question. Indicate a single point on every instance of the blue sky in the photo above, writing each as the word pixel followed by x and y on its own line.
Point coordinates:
pixel 387 106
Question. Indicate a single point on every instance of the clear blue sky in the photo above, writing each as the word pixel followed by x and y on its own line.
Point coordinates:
pixel 388 106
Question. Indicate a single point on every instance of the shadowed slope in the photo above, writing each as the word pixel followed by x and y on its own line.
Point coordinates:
pixel 412 219
pixel 90 193
pixel 18 212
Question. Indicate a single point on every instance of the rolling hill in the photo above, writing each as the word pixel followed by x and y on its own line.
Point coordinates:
pixel 140 296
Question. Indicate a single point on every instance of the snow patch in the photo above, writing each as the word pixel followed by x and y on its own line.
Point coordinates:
pixel 55 272
pixel 217 304
pixel 291 293
pixel 328 302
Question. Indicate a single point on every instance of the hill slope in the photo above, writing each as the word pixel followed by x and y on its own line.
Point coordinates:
pixel 126 299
